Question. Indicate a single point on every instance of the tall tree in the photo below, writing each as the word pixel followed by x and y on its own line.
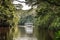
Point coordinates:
pixel 8 18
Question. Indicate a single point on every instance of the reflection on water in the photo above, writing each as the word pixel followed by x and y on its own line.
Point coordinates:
pixel 25 36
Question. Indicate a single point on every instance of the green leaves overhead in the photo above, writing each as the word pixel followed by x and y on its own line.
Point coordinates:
pixel 56 2
pixel 47 13
pixel 7 13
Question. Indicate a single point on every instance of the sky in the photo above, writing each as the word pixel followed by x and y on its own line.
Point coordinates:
pixel 25 7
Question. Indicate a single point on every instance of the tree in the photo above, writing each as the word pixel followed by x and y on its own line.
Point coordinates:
pixel 8 18
pixel 47 19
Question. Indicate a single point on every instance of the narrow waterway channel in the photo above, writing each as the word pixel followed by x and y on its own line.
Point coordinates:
pixel 24 36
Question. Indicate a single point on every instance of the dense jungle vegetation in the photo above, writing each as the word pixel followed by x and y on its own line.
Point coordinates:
pixel 46 20
pixel 8 19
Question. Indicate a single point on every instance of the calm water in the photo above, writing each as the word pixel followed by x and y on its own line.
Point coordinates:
pixel 24 36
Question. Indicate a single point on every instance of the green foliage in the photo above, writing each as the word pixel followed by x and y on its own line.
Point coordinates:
pixel 24 19
pixel 47 18
pixel 5 11
pixel 8 17
pixel 56 2
pixel 36 2
pixel 57 35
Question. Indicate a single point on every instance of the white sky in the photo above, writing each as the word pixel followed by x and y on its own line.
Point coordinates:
pixel 21 0
pixel 25 7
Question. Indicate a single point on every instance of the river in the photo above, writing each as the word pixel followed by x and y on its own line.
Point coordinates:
pixel 24 36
